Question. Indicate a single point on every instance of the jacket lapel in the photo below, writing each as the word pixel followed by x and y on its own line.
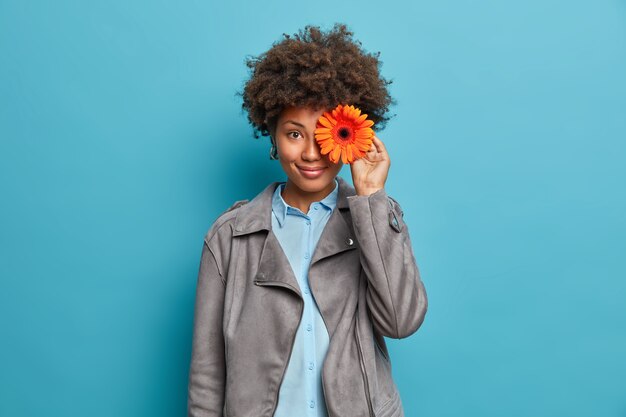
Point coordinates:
pixel 336 236
pixel 274 267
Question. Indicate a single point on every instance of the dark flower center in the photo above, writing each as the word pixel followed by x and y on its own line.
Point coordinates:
pixel 344 133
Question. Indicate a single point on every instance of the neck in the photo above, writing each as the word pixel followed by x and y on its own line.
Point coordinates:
pixel 301 199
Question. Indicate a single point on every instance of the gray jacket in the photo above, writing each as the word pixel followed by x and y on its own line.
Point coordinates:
pixel 366 283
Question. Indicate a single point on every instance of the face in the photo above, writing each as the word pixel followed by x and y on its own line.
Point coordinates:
pixel 310 174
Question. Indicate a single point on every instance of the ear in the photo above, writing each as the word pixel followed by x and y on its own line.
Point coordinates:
pixel 273 149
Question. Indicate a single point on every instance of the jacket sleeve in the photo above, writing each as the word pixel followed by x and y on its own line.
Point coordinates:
pixel 208 369
pixel 396 297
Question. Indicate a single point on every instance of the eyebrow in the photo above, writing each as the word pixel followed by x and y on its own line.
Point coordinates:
pixel 295 123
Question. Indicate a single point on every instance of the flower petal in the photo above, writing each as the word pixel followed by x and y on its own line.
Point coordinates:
pixel 334 155
pixel 360 119
pixel 349 152
pixel 364 146
pixel 344 155
pixel 321 136
pixel 325 122
pixel 367 123
pixel 364 133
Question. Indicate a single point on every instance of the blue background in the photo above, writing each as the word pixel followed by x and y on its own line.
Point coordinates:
pixel 122 139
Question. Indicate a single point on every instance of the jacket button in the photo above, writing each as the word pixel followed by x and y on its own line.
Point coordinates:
pixel 349 241
pixel 312 404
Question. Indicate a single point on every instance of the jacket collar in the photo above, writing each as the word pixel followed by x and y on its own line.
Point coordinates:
pixel 256 215
pixel 274 269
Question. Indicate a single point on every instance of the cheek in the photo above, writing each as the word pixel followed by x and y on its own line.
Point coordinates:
pixel 286 155
pixel 288 151
pixel 333 166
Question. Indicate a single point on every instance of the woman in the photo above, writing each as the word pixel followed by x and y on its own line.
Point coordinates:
pixel 298 287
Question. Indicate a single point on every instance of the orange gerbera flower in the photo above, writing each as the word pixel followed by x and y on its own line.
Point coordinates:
pixel 346 133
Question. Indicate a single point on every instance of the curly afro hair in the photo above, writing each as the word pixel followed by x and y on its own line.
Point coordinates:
pixel 314 69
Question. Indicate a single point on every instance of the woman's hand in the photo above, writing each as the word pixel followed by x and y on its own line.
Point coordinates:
pixel 370 172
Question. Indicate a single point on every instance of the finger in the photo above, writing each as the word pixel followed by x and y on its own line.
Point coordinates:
pixel 380 146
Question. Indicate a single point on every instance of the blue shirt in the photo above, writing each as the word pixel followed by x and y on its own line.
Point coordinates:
pixel 301 392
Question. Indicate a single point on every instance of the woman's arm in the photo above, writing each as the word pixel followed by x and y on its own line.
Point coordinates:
pixel 396 296
pixel 208 369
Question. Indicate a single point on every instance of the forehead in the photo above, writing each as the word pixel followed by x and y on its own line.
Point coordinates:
pixel 300 114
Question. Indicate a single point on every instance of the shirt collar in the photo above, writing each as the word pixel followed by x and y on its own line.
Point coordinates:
pixel 281 208
pixel 257 213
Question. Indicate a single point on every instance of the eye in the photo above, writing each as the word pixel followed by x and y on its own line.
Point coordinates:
pixel 296 133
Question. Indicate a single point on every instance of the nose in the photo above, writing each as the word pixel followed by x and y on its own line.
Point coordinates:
pixel 311 151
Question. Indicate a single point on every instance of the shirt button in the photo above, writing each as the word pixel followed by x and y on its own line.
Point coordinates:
pixel 306 290
pixel 315 207
pixel 306 256
pixel 311 366
pixel 312 404
pixel 309 327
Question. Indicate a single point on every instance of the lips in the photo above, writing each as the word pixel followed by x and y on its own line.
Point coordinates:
pixel 311 172
pixel 311 168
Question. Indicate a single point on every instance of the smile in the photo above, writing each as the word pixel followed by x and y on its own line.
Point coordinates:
pixel 311 173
